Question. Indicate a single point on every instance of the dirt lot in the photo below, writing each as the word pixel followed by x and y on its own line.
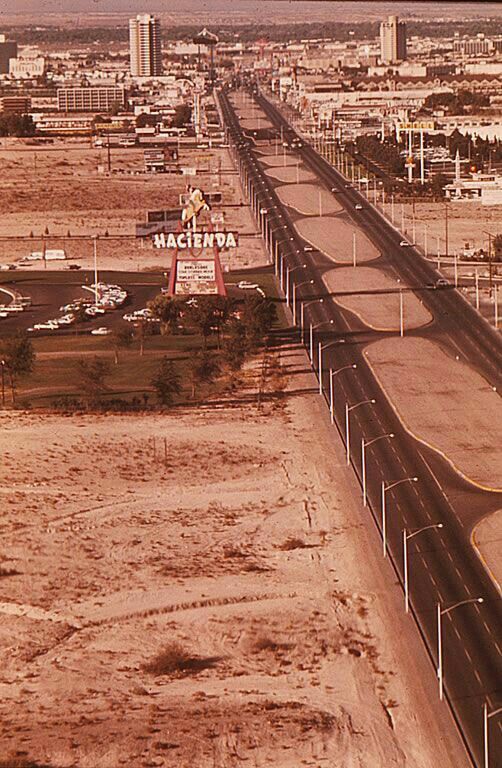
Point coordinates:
pixel 200 602
pixel 466 224
pixel 60 190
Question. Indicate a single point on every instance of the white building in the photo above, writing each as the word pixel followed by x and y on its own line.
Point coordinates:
pixel 145 46
pixel 21 68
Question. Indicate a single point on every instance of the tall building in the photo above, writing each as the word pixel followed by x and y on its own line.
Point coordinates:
pixel 145 47
pixel 8 50
pixel 392 40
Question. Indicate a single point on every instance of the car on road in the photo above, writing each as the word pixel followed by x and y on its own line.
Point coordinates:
pixel 308 248
pixel 442 282
pixel 359 207
pixel 334 189
pixel 102 331
pixel 74 266
pixel 347 186
pixel 404 244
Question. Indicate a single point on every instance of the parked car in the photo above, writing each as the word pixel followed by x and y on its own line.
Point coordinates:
pixel 74 266
pixel 404 244
pixel 102 331
pixel 245 285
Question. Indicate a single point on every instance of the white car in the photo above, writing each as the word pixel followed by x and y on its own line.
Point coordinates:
pixel 246 286
pixel 308 248
pixel 50 325
pixel 404 244
pixel 94 310
pixel 359 207
pixel 101 331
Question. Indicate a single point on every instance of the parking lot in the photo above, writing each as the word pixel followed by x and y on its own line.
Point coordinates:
pixel 50 291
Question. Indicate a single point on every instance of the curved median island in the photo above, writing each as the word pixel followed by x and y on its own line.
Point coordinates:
pixel 487 541
pixel 374 297
pixel 308 198
pixel 334 237
pixel 290 174
pixel 278 160
pixel 443 403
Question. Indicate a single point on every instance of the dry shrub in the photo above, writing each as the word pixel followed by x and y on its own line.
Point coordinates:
pixel 293 543
pixel 20 762
pixel 174 659
pixel 265 643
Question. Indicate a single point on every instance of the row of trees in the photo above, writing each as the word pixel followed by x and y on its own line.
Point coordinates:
pixel 336 30
pixel 239 331
pixel 458 103
pixel 16 125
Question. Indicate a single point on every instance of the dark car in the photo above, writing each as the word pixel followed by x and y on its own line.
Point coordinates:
pixel 74 266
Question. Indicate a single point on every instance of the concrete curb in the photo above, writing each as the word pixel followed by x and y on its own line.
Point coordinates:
pixel 479 553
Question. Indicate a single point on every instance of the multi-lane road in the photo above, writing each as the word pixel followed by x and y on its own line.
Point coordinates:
pixel 445 572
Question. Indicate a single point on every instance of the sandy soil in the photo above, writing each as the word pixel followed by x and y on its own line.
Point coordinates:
pixel 291 175
pixel 334 237
pixel 374 297
pixel 238 538
pixel 487 539
pixel 309 199
pixel 466 222
pixel 432 393
pixel 59 188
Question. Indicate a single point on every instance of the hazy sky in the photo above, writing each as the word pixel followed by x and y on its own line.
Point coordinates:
pixel 297 8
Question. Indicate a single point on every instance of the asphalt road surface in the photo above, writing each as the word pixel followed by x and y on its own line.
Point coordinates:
pixel 48 292
pixel 444 569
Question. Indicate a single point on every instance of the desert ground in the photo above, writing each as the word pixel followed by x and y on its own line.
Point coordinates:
pixel 186 590
pixel 64 189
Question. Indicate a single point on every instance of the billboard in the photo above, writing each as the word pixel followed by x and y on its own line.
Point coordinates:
pixel 195 276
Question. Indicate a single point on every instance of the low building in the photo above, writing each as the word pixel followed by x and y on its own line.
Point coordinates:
pixel 485 188
pixel 15 105
pixel 21 68
pixel 99 99
pixel 60 125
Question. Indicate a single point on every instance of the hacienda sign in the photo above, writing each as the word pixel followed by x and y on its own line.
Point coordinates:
pixel 188 239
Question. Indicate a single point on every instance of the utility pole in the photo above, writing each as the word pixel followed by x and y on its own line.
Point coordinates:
pixel 108 153
pixel 446 226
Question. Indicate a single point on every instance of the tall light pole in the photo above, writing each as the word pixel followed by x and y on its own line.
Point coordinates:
pixel 2 363
pixel 365 444
pixel 95 244
pixel 406 537
pixel 441 612
pixel 332 374
pixel 304 304
pixel 289 271
pixel 486 717
pixel 295 288
pixel 320 349
pixel 354 249
pixel 386 488
pixel 312 329
pixel 348 409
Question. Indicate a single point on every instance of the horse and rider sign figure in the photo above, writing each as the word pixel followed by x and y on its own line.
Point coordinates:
pixel 195 267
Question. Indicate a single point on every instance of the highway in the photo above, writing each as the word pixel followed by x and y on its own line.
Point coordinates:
pixel 443 567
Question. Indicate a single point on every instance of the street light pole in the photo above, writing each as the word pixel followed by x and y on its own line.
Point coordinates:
pixel 486 716
pixel 386 488
pixel 365 444
pixel 333 373
pixel 440 613
pixel 354 249
pixel 348 409
pixel 406 537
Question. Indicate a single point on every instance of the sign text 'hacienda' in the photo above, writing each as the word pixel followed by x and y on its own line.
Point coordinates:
pixel 183 240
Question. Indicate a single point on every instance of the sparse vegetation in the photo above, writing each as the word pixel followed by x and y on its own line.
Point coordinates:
pixel 175 659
